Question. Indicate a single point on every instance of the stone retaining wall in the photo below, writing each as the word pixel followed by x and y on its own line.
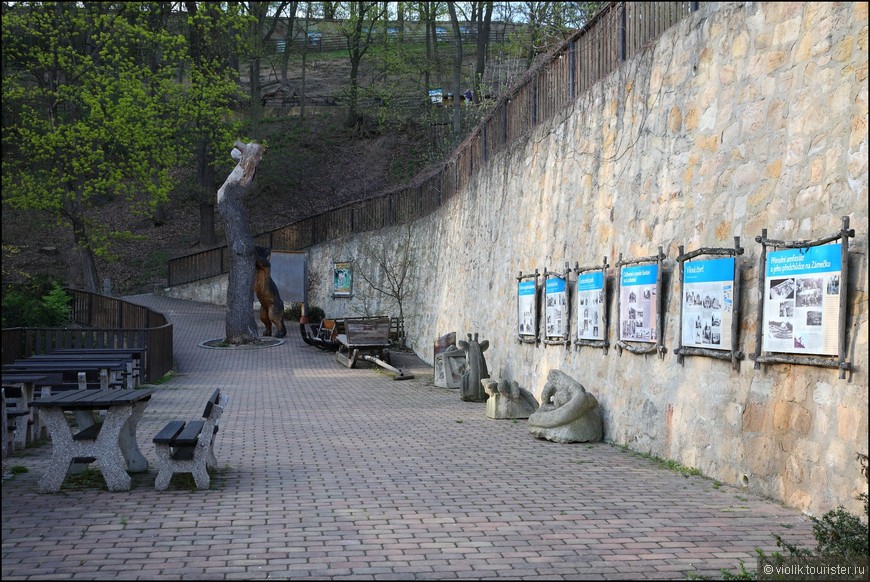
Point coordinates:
pixel 742 117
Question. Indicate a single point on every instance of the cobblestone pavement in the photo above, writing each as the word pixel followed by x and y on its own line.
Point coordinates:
pixel 328 472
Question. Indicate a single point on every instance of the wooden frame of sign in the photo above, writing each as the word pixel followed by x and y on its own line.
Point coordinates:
pixel 529 338
pixel 605 343
pixel 768 357
pixel 734 354
pixel 658 347
pixel 563 339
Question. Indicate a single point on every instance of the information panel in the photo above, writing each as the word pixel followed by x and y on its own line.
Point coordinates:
pixel 526 307
pixel 708 303
pixel 556 310
pixel 637 303
pixel 590 305
pixel 802 300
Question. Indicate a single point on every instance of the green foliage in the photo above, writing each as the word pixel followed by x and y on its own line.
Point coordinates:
pixel 292 311
pixel 94 110
pixel 315 314
pixel 742 574
pixel 669 464
pixel 41 303
pixel 838 534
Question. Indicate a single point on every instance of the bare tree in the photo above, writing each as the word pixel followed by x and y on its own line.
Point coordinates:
pixel 386 268
pixel 457 71
pixel 358 30
pixel 483 18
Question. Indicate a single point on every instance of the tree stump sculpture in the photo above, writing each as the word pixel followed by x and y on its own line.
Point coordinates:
pixel 241 327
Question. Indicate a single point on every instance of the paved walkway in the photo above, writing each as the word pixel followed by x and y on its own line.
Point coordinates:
pixel 328 472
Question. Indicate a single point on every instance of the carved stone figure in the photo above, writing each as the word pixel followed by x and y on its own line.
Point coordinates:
pixel 470 388
pixel 449 367
pixel 271 305
pixel 568 414
pixel 507 400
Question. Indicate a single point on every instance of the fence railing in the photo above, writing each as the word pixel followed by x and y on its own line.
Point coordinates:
pixel 109 323
pixel 617 33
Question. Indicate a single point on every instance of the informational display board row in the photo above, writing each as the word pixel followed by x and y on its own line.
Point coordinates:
pixel 801 303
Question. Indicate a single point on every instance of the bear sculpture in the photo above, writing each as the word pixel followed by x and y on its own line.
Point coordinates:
pixel 271 305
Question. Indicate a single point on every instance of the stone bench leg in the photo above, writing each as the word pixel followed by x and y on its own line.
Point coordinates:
pixel 168 467
pixel 104 449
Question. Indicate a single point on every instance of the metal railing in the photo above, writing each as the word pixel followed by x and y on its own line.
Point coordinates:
pixel 617 33
pixel 108 323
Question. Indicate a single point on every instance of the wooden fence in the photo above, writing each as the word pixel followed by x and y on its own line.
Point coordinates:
pixel 617 33
pixel 109 323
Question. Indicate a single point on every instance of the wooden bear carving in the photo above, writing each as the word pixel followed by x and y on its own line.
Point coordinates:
pixel 271 306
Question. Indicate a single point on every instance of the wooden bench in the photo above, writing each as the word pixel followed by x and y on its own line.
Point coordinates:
pixel 188 446
pixel 363 336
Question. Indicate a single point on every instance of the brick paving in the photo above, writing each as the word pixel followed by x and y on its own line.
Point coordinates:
pixel 332 473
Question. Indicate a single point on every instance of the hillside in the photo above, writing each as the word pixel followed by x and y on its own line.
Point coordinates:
pixel 312 164
pixel 322 170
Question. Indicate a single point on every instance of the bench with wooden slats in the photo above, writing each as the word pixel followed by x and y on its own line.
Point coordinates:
pixel 188 446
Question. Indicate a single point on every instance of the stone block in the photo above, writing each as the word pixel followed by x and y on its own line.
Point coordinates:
pixel 507 401
pixel 449 368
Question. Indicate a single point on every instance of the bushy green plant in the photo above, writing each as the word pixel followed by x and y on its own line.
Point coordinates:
pixel 42 303
pixel 292 311
pixel 315 314
pixel 839 534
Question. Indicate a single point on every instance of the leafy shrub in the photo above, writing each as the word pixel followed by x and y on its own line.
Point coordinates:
pixel 293 312
pixel 839 534
pixel 41 303
pixel 315 314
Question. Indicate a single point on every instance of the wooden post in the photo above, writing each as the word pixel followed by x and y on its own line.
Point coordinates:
pixel 681 250
pixel 736 356
pixel 618 306
pixel 759 323
pixel 844 286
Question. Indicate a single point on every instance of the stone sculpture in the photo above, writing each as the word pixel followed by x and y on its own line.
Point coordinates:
pixel 507 400
pixel 449 367
pixel 271 305
pixel 470 388
pixel 568 414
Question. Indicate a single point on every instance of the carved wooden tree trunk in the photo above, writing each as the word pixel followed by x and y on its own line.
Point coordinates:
pixel 241 325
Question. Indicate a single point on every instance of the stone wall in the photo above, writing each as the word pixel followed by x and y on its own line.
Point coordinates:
pixel 744 116
pixel 211 290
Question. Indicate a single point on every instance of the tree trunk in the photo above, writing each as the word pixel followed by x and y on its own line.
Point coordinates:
pixel 457 73
pixel 206 224
pixel 241 327
pixel 482 48
pixel 205 176
pixel 90 278
pixel 256 94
